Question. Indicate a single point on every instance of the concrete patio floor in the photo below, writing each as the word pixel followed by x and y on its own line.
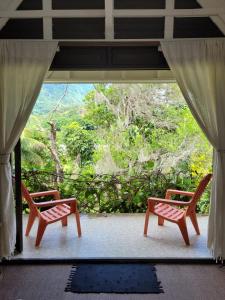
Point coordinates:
pixel 116 236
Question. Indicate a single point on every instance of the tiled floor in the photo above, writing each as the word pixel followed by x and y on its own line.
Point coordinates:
pixel 48 282
pixel 116 236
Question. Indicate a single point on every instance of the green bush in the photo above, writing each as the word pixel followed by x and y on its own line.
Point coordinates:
pixel 114 194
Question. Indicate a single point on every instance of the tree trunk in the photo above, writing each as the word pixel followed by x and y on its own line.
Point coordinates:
pixel 54 153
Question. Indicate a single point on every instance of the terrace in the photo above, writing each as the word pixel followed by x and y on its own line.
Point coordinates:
pixel 116 236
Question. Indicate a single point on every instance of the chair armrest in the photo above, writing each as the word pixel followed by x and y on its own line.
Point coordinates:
pixel 178 192
pixel 55 193
pixel 167 201
pixel 56 202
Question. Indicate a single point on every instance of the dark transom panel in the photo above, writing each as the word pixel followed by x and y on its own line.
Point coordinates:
pixel 75 58
pixel 182 4
pixel 30 5
pixel 22 29
pixel 138 58
pixel 78 28
pixel 195 28
pixel 78 4
pixel 139 4
pixel 109 58
pixel 139 28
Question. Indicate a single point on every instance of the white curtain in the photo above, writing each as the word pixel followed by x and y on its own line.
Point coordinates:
pixel 23 66
pixel 199 68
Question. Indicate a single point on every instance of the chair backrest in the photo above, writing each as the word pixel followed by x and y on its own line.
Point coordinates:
pixel 27 197
pixel 199 191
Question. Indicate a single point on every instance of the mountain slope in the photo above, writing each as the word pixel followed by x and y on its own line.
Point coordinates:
pixel 51 94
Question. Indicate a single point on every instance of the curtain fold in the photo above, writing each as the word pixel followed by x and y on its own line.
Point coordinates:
pixel 199 68
pixel 23 66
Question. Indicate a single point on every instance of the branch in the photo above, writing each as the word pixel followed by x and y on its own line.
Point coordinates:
pixel 58 103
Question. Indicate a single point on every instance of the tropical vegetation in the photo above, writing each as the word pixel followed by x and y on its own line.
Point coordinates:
pixel 115 146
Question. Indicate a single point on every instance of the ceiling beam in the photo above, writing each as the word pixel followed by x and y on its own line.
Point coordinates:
pixel 108 43
pixel 125 13
pixel 93 41
pixel 53 13
pixel 109 19
pixel 219 19
pixel 199 12
pixel 220 23
pixel 169 20
pixel 47 21
pixel 12 6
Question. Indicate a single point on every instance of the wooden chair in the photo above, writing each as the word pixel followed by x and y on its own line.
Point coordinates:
pixel 60 210
pixel 165 210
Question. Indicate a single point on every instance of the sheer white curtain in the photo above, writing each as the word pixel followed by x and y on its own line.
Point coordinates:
pixel 199 68
pixel 23 66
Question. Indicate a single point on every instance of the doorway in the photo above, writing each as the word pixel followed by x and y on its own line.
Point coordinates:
pixel 142 148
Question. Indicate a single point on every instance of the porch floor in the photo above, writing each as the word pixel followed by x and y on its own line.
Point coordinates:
pixel 116 236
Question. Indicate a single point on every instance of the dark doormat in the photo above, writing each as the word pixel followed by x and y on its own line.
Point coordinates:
pixel 121 278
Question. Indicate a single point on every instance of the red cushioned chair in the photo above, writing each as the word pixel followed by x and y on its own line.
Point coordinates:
pixel 59 211
pixel 165 210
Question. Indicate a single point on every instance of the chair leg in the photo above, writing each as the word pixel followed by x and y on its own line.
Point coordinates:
pixel 183 228
pixel 160 221
pixel 194 221
pixel 41 229
pixel 146 222
pixel 30 222
pixel 64 221
pixel 77 216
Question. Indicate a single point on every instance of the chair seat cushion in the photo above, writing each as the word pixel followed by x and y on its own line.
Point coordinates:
pixel 168 212
pixel 56 213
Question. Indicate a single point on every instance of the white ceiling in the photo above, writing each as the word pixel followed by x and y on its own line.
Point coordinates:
pixel 9 4
pixel 211 3
pixel 217 17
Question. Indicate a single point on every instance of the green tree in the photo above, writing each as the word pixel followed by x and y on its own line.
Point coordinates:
pixel 33 150
pixel 79 142
pixel 124 142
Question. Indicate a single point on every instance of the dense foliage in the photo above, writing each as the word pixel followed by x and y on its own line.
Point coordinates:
pixel 125 142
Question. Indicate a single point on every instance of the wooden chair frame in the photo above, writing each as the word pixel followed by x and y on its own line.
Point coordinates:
pixel 59 211
pixel 165 210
